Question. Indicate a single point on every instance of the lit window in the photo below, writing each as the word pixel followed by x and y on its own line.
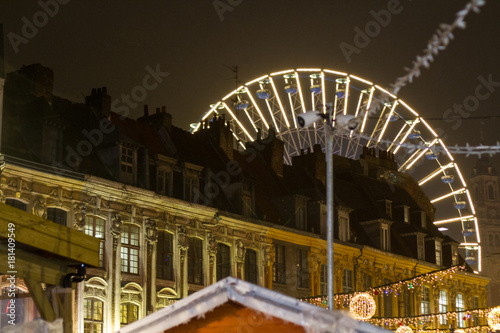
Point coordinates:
pixel 130 249
pixel 129 313
pixel 251 266
pixel 16 204
pixel 344 230
pixel 195 261
pixel 127 160
pixel 425 303
pixel 347 281
pixel 475 315
pixel 443 307
pixel 223 264
pixel 302 269
pixel 164 181
pixel 164 256
pixel 460 310
pixel 92 315
pixel 279 266
pixel 438 252
pixel 94 227
pixel 57 215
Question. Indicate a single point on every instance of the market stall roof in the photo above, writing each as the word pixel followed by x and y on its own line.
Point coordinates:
pixel 268 309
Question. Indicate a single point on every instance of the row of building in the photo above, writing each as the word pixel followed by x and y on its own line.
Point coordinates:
pixel 176 212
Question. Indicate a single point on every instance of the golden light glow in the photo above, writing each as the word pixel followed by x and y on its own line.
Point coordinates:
pixel 404 329
pixel 362 306
pixel 494 318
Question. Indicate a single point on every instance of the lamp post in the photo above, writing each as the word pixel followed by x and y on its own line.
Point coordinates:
pixel 345 123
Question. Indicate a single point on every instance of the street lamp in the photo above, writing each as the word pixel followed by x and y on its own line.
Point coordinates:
pixel 344 123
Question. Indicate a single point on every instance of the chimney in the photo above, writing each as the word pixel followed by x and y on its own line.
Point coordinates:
pixel 100 101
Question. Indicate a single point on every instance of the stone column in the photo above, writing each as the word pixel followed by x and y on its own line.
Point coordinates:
pixel 115 271
pixel 240 252
pixel 183 246
pixel 212 253
pixel 151 235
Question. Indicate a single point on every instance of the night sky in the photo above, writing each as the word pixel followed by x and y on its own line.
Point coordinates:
pixel 92 44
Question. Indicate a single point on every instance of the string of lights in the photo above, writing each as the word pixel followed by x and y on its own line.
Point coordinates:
pixel 435 277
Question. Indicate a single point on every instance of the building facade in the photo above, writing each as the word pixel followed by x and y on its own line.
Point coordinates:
pixel 485 193
pixel 176 212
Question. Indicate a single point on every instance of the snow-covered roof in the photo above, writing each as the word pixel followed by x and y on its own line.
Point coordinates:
pixel 271 303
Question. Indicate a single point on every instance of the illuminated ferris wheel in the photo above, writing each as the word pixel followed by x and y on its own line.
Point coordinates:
pixel 274 101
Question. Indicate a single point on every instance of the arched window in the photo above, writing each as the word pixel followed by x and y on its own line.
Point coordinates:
pixel 491 192
pixel 166 297
pixel 223 261
pixel 129 312
pixel 92 315
pixel 459 302
pixel 130 305
pixel 16 204
pixel 57 215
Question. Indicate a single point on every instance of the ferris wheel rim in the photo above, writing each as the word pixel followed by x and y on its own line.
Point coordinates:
pixel 281 118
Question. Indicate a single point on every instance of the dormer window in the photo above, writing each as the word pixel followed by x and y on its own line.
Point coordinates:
pixel 385 237
pixel 164 182
pixel 423 220
pixel 247 199
pixel 388 208
pixel 439 251
pixel 127 160
pixel 421 246
pixel 406 214
pixel 344 228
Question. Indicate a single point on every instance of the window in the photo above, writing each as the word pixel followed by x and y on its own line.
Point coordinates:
pixel 388 208
pixel 164 181
pixel 497 240
pixel 387 301
pixel 323 280
pixel 164 256
pixel 127 160
pixel 347 281
pixel 406 214
pixel 251 266
pixel 344 231
pixel 384 238
pixel 130 249
pixel 423 220
pixel 16 204
pixel 491 192
pixel 460 310
pixel 438 252
pixel 129 313
pixel 367 281
pixel 94 227
pixel 279 266
pixel 223 261
pixel 302 269
pixel 425 305
pixel 300 216
pixel 92 315
pixel 443 307
pixel 190 187
pixel 475 315
pixel 57 215
pixel 195 261
pixel 421 247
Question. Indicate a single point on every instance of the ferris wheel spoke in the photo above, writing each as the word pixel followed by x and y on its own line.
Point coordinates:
pixel 278 99
pixel 256 106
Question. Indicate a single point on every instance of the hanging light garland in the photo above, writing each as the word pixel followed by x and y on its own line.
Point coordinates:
pixel 404 329
pixel 393 288
pixel 362 306
pixel 494 318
